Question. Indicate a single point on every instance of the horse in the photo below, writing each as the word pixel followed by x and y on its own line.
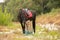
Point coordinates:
pixel 23 19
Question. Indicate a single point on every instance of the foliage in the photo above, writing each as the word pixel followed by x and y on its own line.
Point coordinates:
pixel 38 5
pixel 41 6
pixel 5 18
pixel 47 5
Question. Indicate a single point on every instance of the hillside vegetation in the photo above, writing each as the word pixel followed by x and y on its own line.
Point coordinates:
pixel 52 17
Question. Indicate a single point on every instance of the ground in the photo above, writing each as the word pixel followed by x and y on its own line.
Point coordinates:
pixel 43 32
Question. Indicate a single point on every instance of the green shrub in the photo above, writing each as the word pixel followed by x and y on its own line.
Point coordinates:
pixel 5 18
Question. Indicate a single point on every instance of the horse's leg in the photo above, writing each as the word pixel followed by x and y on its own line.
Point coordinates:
pixel 26 26
pixel 23 27
pixel 33 23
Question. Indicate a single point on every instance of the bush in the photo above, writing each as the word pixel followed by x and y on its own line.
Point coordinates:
pixel 5 18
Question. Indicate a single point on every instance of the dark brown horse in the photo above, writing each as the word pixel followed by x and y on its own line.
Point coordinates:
pixel 22 19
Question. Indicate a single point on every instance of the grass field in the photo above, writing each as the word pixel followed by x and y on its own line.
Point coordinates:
pixel 14 32
pixel 41 33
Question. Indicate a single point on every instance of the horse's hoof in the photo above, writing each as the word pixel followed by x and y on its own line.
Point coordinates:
pixel 26 32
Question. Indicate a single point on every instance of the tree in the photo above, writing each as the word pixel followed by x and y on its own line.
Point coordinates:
pixel 47 5
pixel 41 3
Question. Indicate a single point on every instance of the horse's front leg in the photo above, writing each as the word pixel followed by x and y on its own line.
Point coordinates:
pixel 23 27
pixel 33 23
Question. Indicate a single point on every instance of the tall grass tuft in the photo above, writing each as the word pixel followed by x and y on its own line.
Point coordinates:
pixel 5 18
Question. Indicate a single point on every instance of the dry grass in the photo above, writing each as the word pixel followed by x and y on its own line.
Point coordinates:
pixel 39 35
pixel 46 18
